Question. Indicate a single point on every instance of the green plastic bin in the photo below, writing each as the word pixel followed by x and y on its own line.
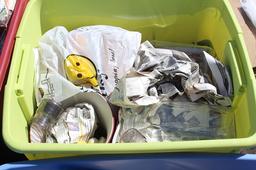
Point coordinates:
pixel 180 21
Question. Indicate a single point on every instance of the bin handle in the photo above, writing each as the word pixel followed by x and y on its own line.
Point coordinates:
pixel 21 88
pixel 234 62
pixel 232 58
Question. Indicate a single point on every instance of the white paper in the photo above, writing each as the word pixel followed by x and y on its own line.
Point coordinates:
pixel 137 86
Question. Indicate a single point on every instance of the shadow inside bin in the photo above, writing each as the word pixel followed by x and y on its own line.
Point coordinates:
pixel 185 161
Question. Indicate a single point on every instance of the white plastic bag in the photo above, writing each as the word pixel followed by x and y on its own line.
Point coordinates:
pixel 111 49
pixel 249 6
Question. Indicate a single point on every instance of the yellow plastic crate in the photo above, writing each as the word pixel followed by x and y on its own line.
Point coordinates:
pixel 181 21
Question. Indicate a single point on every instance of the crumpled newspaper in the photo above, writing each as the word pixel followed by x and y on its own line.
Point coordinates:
pixel 171 121
pixel 162 73
pixel 6 8
pixel 76 125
